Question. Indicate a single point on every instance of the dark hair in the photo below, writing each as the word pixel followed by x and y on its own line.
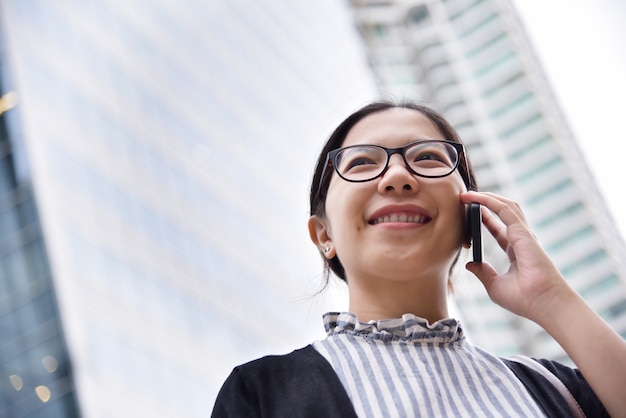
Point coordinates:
pixel 319 191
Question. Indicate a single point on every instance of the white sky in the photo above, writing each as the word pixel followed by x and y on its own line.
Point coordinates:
pixel 582 45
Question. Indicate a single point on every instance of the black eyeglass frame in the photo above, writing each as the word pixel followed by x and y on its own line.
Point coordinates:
pixel 331 158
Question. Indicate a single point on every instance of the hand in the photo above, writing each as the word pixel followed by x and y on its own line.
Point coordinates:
pixel 533 287
pixel 532 284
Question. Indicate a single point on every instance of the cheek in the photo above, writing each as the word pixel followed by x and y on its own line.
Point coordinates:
pixel 344 213
pixel 455 212
pixel 345 201
pixel 464 230
pixel 455 217
pixel 335 213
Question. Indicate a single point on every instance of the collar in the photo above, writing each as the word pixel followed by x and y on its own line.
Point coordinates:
pixel 409 328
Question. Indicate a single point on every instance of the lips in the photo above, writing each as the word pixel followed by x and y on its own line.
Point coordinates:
pixel 400 214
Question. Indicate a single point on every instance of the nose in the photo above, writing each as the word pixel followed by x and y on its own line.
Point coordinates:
pixel 397 177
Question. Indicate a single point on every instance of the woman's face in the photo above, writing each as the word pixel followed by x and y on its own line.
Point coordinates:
pixel 422 219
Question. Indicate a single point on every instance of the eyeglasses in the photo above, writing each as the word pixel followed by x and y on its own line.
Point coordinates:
pixel 425 158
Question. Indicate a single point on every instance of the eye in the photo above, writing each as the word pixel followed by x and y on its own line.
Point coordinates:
pixel 432 157
pixel 359 159
pixel 428 155
pixel 355 162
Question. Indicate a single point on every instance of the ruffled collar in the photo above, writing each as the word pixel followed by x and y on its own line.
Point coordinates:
pixel 409 328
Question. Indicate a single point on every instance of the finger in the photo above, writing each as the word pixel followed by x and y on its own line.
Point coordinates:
pixel 509 211
pixel 512 205
pixel 484 271
pixel 496 228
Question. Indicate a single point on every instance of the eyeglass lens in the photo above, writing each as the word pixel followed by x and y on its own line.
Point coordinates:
pixel 429 159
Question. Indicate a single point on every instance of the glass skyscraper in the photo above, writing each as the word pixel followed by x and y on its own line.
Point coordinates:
pixel 155 163
pixel 35 372
pixel 471 59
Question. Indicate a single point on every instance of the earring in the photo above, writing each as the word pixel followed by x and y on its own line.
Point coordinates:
pixel 326 250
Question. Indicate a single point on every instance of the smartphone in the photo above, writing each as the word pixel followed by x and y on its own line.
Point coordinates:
pixel 475 222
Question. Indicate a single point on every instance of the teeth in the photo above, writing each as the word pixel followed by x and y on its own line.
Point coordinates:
pixel 400 218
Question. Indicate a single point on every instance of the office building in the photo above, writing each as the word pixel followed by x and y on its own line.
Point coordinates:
pixel 472 60
pixel 155 164
pixel 33 355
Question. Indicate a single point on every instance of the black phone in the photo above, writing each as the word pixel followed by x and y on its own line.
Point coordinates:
pixel 475 222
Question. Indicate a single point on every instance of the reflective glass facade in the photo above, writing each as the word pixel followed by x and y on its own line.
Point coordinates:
pixel 471 59
pixel 35 373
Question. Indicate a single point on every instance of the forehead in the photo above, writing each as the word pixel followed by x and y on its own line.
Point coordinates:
pixel 393 127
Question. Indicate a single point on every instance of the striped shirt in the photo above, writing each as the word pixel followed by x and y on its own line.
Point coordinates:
pixel 406 367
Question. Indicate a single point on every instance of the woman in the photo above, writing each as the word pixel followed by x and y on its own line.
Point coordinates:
pixel 388 206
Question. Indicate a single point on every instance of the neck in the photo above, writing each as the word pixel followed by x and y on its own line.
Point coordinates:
pixel 376 300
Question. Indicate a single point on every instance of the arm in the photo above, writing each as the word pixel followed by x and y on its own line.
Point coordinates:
pixel 534 288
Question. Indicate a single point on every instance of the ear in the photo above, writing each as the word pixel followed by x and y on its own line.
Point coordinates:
pixel 320 234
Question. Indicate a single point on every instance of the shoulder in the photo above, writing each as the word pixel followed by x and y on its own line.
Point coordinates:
pixel 300 383
pixel 578 387
pixel 291 363
pixel 274 373
pixel 546 394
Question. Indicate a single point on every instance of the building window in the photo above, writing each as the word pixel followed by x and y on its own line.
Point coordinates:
pixel 559 216
pixel 507 58
pixel 540 170
pixel 530 148
pixel 417 15
pixel 601 286
pixel 571 238
pixel 593 258
pixel 532 119
pixel 550 192
pixel 512 105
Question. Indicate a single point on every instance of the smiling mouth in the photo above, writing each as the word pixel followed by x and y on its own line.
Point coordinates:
pixel 402 218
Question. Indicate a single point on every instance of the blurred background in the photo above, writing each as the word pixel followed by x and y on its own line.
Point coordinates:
pixel 155 159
